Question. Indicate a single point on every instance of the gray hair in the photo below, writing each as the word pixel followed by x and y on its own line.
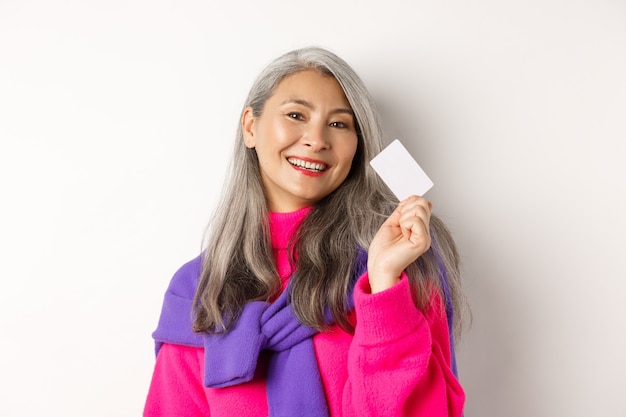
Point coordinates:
pixel 238 256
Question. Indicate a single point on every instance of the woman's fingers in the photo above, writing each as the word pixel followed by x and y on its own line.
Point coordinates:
pixel 414 220
pixel 402 238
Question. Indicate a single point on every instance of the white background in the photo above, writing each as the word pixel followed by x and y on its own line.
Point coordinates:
pixel 117 119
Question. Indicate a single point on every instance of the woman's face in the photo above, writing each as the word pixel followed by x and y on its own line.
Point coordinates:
pixel 305 140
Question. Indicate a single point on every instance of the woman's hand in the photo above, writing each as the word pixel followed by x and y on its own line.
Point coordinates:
pixel 401 239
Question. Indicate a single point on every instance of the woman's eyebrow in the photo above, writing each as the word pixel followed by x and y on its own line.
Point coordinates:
pixel 300 101
pixel 309 105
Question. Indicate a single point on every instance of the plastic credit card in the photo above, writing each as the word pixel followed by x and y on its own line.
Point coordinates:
pixel 400 171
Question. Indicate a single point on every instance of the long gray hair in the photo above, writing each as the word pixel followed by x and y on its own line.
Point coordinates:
pixel 238 262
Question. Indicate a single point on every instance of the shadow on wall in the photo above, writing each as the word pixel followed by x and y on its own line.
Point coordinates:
pixel 491 358
pixel 491 352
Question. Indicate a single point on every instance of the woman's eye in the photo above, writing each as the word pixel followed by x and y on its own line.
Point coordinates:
pixel 338 124
pixel 295 115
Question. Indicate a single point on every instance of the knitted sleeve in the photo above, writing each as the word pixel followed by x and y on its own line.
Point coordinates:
pixel 176 388
pixel 399 359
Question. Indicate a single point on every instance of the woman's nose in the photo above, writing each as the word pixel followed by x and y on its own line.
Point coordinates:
pixel 316 137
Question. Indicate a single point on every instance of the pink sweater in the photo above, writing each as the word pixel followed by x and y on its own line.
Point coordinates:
pixel 397 363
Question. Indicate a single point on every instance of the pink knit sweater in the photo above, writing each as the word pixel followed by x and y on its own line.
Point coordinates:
pixel 397 363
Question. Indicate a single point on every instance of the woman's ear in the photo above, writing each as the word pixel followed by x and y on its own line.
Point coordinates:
pixel 248 128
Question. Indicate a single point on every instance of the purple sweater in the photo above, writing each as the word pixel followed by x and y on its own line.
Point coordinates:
pixel 397 363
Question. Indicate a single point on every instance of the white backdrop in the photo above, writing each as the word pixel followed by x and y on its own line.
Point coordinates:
pixel 117 118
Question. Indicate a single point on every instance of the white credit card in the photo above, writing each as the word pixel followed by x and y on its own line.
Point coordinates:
pixel 401 173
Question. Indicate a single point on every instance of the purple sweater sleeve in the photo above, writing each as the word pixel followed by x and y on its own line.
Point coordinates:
pixel 399 360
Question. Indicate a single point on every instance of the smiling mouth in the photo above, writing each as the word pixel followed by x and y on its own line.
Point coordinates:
pixel 309 166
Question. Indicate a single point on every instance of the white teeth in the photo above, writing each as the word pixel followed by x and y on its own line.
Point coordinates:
pixel 307 165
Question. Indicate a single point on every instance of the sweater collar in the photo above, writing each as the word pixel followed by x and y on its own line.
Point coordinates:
pixel 283 225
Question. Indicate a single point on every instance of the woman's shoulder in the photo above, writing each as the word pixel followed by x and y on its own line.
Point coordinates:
pixel 185 280
pixel 175 325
